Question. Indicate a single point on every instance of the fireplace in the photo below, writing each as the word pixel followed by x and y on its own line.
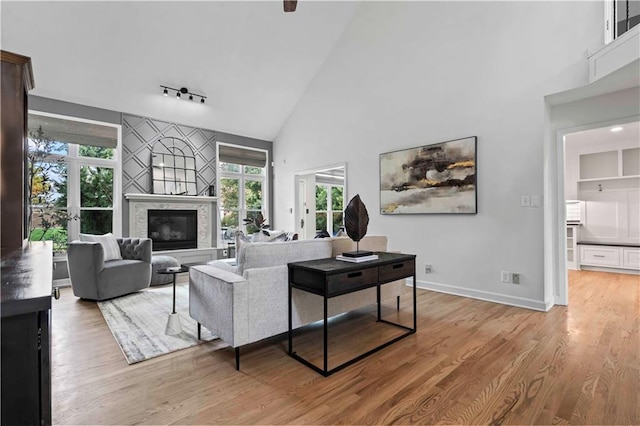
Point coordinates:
pixel 173 229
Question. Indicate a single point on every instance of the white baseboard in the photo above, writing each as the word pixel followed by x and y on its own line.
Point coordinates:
pixel 487 296
pixel 613 270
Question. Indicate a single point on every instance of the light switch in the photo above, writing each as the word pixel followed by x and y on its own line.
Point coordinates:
pixel 535 201
pixel 525 201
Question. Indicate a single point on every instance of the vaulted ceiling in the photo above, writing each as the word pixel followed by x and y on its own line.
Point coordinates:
pixel 251 60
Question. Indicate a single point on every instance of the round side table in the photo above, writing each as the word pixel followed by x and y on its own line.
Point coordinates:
pixel 173 323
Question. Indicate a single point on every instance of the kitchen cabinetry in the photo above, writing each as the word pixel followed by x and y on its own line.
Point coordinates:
pixel 573 232
pixel 610 256
pixel 609 185
pixel 621 163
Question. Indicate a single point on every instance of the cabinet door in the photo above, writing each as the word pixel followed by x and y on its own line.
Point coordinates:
pixel 20 370
pixel 600 256
pixel 631 258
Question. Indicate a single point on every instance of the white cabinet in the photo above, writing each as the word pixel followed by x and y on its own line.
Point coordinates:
pixel 631 258
pixel 600 256
pixel 572 246
pixel 608 256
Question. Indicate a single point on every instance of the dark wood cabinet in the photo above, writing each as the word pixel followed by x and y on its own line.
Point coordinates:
pixel 17 80
pixel 25 335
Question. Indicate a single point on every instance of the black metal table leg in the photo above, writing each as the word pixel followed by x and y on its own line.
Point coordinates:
pixel 290 332
pixel 326 370
pixel 415 312
pixel 378 300
pixel 174 294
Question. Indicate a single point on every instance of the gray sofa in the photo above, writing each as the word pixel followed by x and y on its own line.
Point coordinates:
pixel 246 303
pixel 93 278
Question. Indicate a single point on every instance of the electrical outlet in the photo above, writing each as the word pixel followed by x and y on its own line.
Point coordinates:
pixel 427 268
pixel 505 277
pixel 515 278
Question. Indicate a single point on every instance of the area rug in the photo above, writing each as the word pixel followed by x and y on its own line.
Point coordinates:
pixel 138 323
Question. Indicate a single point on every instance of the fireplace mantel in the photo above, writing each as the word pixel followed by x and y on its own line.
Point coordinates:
pixel 140 204
pixel 170 198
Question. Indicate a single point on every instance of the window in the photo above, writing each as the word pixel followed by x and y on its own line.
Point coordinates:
pixel 620 17
pixel 242 187
pixel 329 208
pixel 74 178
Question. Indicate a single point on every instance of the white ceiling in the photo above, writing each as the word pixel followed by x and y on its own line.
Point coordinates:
pixel 251 60
pixel 630 132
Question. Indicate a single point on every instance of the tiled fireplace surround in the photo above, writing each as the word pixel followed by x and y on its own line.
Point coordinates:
pixel 139 204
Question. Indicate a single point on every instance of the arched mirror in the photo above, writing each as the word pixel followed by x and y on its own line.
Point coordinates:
pixel 173 167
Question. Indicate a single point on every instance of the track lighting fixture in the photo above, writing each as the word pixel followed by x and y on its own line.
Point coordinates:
pixel 182 91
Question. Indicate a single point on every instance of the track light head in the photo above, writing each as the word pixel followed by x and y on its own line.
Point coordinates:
pixel 182 91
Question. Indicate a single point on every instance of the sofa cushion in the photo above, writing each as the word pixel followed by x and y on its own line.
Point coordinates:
pixel 260 255
pixel 109 245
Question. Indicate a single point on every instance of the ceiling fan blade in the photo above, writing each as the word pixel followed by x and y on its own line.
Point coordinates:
pixel 290 5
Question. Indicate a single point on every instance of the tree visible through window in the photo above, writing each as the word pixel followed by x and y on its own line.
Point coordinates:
pixel 329 208
pixel 242 194
pixel 59 172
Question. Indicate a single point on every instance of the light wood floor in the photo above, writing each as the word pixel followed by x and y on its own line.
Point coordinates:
pixel 470 362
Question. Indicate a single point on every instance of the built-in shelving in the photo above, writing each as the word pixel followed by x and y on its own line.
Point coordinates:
pixel 609 178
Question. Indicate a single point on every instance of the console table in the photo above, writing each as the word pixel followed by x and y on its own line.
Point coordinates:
pixel 330 278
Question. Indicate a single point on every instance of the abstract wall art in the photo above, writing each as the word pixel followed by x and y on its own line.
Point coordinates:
pixel 438 178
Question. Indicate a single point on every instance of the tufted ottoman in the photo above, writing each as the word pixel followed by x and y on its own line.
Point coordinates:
pixel 161 262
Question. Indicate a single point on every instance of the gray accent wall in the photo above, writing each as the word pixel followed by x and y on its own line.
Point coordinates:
pixel 138 135
pixel 54 106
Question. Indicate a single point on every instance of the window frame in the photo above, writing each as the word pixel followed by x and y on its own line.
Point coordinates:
pixel 329 212
pixel 74 162
pixel 242 177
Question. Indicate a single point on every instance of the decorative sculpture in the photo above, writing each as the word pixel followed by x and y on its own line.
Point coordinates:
pixel 356 220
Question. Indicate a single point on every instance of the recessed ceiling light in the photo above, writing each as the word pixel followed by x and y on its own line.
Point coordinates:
pixel 616 129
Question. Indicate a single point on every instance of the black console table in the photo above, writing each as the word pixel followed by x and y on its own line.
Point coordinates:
pixel 330 278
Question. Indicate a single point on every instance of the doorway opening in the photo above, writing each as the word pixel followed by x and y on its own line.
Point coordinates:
pixel 601 182
pixel 319 200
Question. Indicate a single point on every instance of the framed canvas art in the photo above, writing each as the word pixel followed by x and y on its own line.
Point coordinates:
pixel 438 178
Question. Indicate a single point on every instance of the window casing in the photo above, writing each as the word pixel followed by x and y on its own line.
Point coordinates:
pixel 242 188
pixel 86 189
pixel 619 17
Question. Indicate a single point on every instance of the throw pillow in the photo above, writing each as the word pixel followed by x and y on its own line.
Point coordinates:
pixel 109 244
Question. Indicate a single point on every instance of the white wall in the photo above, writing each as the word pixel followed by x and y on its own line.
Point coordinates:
pixel 406 74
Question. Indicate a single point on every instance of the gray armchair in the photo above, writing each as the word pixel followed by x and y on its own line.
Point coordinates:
pixel 93 278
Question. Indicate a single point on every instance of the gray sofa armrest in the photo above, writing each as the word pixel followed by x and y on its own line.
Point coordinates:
pixel 85 262
pixel 219 300
pixel 136 248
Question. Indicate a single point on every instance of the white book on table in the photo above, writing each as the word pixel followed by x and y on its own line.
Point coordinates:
pixel 357 259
